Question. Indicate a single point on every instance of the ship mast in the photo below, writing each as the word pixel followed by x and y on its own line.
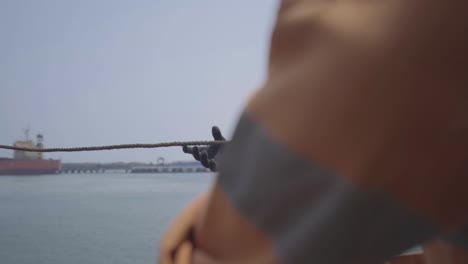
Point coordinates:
pixel 26 133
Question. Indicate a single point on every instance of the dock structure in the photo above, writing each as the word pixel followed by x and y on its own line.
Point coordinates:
pixel 175 167
pixel 168 169
pixel 121 167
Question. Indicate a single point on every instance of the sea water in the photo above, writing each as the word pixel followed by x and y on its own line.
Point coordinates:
pixel 90 218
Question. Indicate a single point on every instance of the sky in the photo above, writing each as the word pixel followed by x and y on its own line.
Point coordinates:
pixel 97 72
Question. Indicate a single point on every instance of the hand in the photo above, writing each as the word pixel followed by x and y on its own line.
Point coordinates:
pixel 207 155
pixel 176 246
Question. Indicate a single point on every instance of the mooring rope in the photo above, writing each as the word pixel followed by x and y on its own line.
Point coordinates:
pixel 120 146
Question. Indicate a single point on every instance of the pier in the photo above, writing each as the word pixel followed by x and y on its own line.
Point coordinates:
pixel 121 167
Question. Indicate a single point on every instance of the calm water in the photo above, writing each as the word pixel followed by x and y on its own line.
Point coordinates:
pixel 90 218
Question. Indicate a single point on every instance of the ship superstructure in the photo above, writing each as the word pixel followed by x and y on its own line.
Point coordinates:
pixel 29 162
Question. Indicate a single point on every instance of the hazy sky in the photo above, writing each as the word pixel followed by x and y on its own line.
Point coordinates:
pixel 95 72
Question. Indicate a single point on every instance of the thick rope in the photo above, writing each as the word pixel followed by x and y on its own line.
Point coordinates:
pixel 121 146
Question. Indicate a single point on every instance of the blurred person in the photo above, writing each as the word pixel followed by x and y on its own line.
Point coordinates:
pixel 353 150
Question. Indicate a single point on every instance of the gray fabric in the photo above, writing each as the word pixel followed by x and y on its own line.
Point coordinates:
pixel 312 215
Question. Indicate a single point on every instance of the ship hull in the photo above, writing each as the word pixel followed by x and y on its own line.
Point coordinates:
pixel 29 167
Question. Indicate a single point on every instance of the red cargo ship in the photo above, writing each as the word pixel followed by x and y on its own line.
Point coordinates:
pixel 29 163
